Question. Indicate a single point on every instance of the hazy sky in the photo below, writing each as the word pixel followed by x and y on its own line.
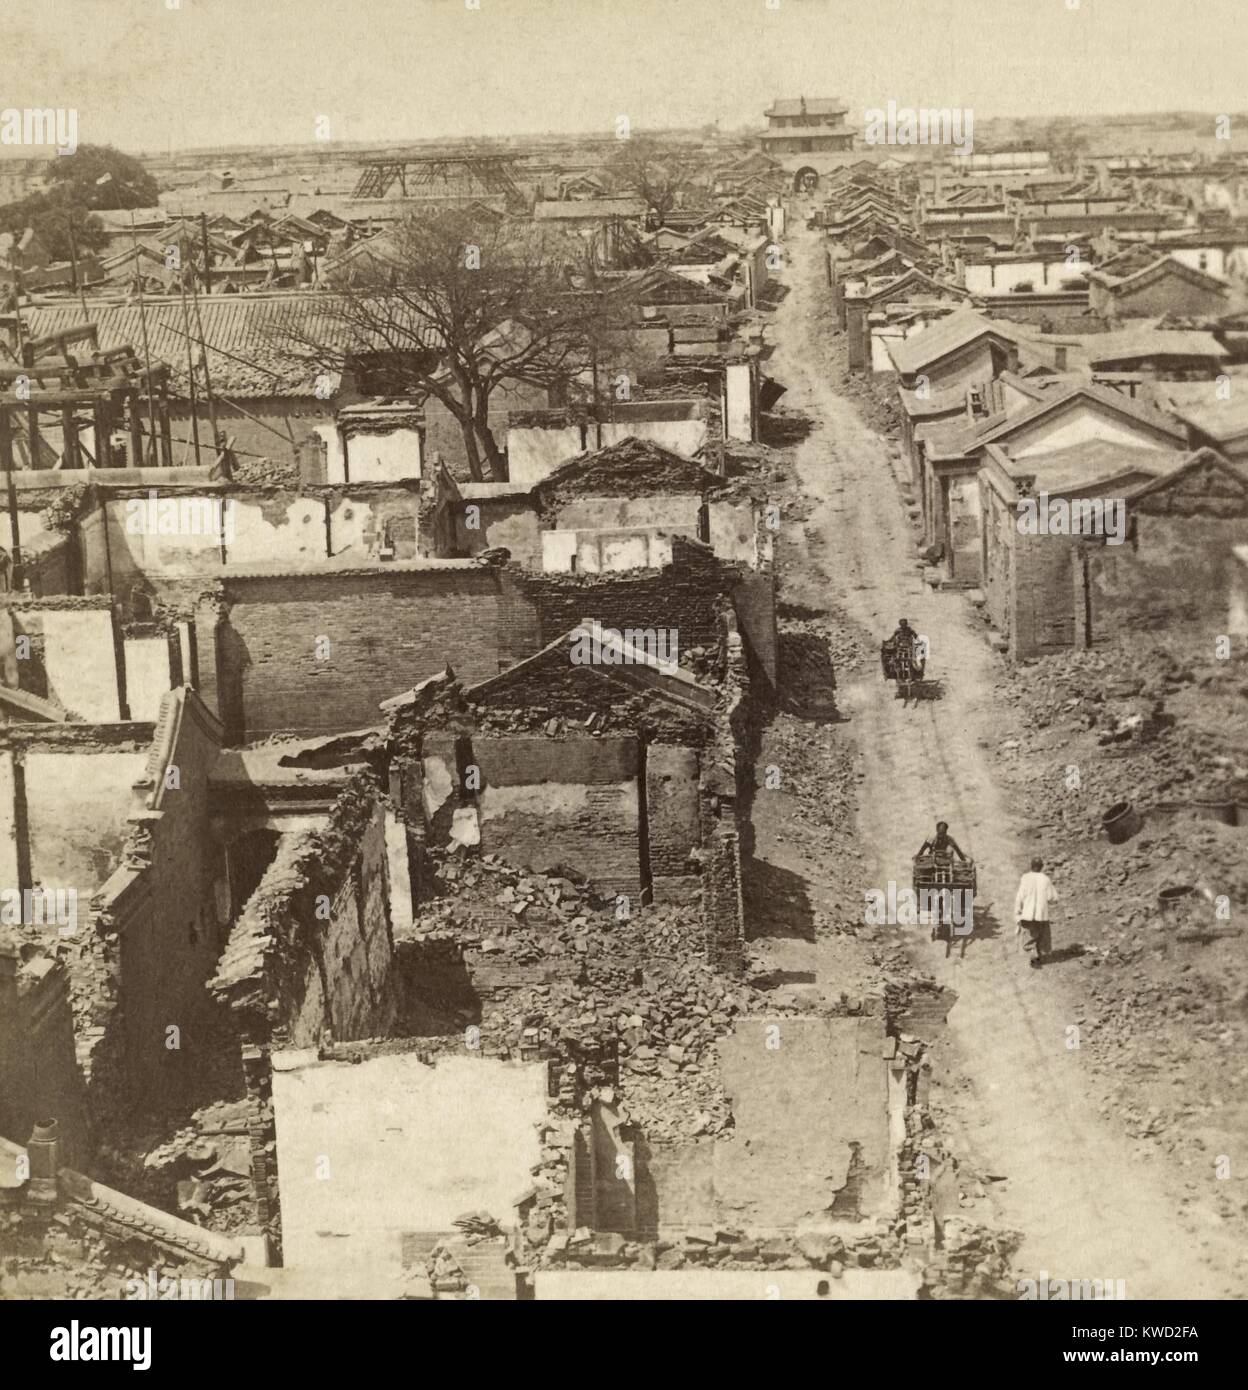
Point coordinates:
pixel 143 75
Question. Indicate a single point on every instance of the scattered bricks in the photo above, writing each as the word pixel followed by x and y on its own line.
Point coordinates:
pixel 607 1249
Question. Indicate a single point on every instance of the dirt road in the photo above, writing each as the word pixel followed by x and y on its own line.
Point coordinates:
pixel 1008 1069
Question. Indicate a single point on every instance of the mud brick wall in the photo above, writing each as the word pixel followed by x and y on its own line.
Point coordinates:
pixel 1169 294
pixel 1181 572
pixel 754 600
pixel 722 907
pixel 546 804
pixel 1042 594
pixel 684 595
pixel 351 981
pixel 673 824
pixel 387 632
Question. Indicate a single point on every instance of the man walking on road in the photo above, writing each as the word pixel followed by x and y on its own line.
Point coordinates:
pixel 1031 910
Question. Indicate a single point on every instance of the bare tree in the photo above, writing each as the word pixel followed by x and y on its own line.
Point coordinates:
pixel 657 170
pixel 455 305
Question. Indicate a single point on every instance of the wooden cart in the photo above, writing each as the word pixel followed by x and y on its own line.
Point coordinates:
pixel 934 873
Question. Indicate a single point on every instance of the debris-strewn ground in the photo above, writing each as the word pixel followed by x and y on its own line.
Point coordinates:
pixel 542 952
pixel 1163 723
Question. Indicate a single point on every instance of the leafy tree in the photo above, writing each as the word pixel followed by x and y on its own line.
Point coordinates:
pixel 50 221
pixel 101 177
pixel 93 177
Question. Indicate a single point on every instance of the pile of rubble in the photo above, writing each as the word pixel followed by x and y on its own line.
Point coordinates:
pixel 726 1248
pixel 876 404
pixel 973 1262
pixel 784 428
pixel 551 959
pixel 1160 722
pixel 206 1166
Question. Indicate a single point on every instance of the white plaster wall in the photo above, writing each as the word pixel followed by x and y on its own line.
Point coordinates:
pixel 534 454
pixel 81 662
pixel 383 458
pixel 732 531
pixel 147 675
pixel 680 436
pixel 1214 258
pixel 278 532
pixel 739 414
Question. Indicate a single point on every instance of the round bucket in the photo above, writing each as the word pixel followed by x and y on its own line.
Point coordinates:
pixel 1120 822
pixel 1172 899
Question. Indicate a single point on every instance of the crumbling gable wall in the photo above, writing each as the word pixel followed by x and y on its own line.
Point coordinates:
pixel 552 765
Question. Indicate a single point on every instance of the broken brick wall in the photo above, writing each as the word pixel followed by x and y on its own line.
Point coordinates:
pixel 156 922
pixel 673 823
pixel 310 960
pixel 1042 594
pixel 544 804
pixel 1155 584
pixel 724 811
pixel 686 595
pixel 723 908
pixel 311 954
pixel 39 1073
pixel 385 632
pixel 754 601
pixel 998 533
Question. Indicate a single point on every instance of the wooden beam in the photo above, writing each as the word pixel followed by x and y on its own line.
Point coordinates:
pixel 69 435
pixel 100 417
pixel 166 436
pixel 6 440
pixel 32 423
pixel 136 430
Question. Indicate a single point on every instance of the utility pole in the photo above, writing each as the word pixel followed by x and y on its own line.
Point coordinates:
pixel 75 283
pixel 203 356
pixel 190 365
pixel 147 349
pixel 203 229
